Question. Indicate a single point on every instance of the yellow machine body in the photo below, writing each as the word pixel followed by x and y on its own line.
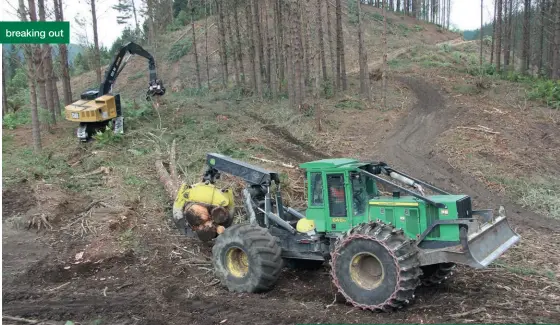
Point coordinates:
pixel 103 108
pixel 204 193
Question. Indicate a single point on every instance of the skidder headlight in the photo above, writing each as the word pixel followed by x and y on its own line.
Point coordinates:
pixel 444 212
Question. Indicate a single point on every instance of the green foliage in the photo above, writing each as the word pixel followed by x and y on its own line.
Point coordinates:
pixel 328 89
pixel 350 104
pixel 13 120
pixel 353 12
pixel 547 91
pixel 179 49
pixel 107 136
pixel 446 48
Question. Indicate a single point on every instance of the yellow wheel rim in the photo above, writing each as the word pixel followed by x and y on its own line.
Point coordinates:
pixel 366 271
pixel 237 262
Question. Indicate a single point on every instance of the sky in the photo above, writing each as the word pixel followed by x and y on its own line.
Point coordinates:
pixel 465 14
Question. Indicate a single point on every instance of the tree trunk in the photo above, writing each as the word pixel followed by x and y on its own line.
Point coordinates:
pixel 222 42
pixel 506 35
pixel 206 42
pixel 266 44
pixel 97 59
pixel 307 48
pixel 30 71
pixel 541 42
pixel 151 25
pixel 341 62
pixel 256 47
pixel 331 49
pixel 320 35
pixel 39 68
pixel 556 53
pixel 4 94
pixel 384 68
pixel 493 33
pixel 195 51
pixel 238 41
pixel 63 56
pixel 273 54
pixel 47 67
pixel 297 55
pixel 526 35
pixel 233 47
pixel 133 12
pixel 288 50
pixel 499 36
pixel 279 42
pixel 259 42
pixel 364 75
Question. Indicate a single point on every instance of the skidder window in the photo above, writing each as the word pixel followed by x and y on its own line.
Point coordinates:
pixel 316 189
pixel 337 199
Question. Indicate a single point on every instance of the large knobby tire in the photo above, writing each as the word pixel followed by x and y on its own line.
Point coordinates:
pixel 247 258
pixel 375 267
pixel 435 274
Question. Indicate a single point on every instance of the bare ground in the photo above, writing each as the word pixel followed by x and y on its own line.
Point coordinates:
pixel 165 279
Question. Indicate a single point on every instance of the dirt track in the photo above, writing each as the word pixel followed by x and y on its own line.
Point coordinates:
pixel 169 288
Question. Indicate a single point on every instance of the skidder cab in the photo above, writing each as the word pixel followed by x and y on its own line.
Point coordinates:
pixel 380 248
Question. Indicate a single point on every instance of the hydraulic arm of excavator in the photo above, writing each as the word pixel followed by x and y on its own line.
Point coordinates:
pixel 97 107
pixel 155 85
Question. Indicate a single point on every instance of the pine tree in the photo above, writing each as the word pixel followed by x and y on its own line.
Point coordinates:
pixel 32 77
pixel 47 67
pixel 364 75
pixel 195 51
pixel 63 56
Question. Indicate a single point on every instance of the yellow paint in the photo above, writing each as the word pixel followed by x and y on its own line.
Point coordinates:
pixel 366 271
pixel 339 220
pixel 237 262
pixel 305 225
pixel 204 193
pixel 397 204
pixel 92 111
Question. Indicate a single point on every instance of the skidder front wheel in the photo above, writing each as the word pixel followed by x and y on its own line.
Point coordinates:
pixel 375 267
pixel 247 258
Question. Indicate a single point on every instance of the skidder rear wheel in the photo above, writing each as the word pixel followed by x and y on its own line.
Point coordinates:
pixel 247 258
pixel 375 267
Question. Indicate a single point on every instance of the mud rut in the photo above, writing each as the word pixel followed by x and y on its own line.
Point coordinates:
pixel 158 296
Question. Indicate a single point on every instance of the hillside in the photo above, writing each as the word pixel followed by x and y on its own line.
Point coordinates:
pixel 110 254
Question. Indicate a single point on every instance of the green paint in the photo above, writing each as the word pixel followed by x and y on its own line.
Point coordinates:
pixel 361 202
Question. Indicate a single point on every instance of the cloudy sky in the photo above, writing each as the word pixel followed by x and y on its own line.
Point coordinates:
pixel 465 14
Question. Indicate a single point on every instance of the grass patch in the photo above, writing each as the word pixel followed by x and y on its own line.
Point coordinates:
pixel 13 120
pixel 179 50
pixel 350 104
pixel 466 89
pixel 543 196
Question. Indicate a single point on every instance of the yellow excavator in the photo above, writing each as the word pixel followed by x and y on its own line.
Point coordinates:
pixel 98 107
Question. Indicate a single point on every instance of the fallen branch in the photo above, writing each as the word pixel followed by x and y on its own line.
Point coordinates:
pixel 100 170
pixel 24 320
pixel 467 313
pixel 173 165
pixel 481 129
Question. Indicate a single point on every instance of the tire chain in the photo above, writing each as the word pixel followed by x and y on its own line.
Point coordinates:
pixel 404 254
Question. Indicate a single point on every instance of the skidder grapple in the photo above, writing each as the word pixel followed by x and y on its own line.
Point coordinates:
pixel 380 248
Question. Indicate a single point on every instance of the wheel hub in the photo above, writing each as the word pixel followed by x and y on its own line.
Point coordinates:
pixel 366 271
pixel 237 262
